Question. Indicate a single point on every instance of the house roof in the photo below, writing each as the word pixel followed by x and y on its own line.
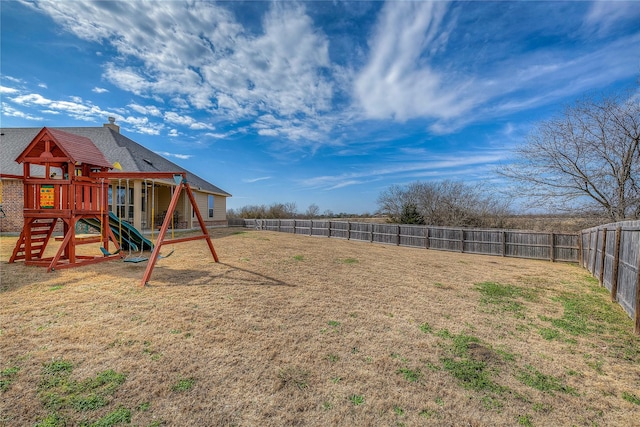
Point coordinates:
pixel 76 148
pixel 116 147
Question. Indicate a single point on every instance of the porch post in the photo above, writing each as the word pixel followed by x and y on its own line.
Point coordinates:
pixel 137 204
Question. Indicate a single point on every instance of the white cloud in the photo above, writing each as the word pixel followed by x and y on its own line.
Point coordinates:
pixel 604 16
pixel 252 180
pixel 147 110
pixel 173 133
pixel 127 79
pixel 414 71
pixel 398 81
pixel 187 121
pixel 199 55
pixel 76 108
pixel 406 167
pixel 8 110
pixel 12 79
pixel 177 156
pixel 219 135
pixel 5 90
pixel 99 90
pixel 142 125
pixel 447 64
pixel 42 85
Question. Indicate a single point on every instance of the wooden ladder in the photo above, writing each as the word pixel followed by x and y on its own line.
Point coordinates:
pixel 40 231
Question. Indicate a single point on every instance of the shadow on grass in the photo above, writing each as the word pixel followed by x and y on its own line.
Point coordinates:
pixel 233 276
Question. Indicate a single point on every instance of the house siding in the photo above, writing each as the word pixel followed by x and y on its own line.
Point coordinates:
pixel 219 209
pixel 12 204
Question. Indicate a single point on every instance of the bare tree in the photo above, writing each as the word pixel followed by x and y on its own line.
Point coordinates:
pixel 274 211
pixel 394 199
pixel 444 203
pixel 313 211
pixel 586 159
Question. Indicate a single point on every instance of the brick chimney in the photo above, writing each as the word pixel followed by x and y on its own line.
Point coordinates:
pixel 112 124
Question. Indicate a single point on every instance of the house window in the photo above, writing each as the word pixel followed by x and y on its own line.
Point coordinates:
pixel 210 206
pixel 121 194
pixel 129 203
pixel 124 205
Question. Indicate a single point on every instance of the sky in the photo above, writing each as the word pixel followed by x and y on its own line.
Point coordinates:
pixel 324 102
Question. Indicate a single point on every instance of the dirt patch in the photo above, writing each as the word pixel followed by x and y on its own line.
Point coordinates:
pixel 296 330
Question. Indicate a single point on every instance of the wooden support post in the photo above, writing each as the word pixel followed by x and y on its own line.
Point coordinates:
pixel 616 263
pixel 70 250
pixel 61 249
pixel 203 226
pixel 603 256
pixel 462 240
pixel 371 227
pixel 398 236
pixel 552 247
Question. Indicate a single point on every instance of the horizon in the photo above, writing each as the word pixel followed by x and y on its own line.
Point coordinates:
pixel 325 103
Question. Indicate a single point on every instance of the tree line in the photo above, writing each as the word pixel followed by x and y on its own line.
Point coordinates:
pixel 287 211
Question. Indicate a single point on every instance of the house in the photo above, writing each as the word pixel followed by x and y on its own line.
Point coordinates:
pixel 141 202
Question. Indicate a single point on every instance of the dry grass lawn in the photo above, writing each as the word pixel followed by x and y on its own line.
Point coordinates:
pixel 295 330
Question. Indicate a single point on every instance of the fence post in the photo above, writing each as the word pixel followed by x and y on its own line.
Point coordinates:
pixel 504 243
pixel 616 262
pixel 310 227
pixel 580 261
pixel 462 240
pixel 371 228
pixel 294 226
pixel 603 256
pixel 426 237
pixel 595 252
pixel 348 230
pixel 552 247
pixel 398 236
pixel 329 228
pixel 637 310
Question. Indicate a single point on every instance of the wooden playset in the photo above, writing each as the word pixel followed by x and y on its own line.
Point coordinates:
pixel 81 192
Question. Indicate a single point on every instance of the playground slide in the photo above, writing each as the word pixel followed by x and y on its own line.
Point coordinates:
pixel 131 238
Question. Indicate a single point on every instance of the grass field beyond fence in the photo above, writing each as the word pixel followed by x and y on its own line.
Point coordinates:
pixel 289 330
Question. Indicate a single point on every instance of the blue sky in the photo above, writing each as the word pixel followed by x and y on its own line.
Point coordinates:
pixel 314 102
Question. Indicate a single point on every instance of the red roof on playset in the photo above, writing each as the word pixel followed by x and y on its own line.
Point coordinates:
pixel 75 148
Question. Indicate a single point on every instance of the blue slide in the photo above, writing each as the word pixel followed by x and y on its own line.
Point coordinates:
pixel 131 238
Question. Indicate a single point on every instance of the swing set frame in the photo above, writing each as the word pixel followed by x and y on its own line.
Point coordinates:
pixel 180 178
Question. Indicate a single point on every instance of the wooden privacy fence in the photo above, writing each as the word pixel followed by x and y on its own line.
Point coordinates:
pixel 611 253
pixel 507 243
